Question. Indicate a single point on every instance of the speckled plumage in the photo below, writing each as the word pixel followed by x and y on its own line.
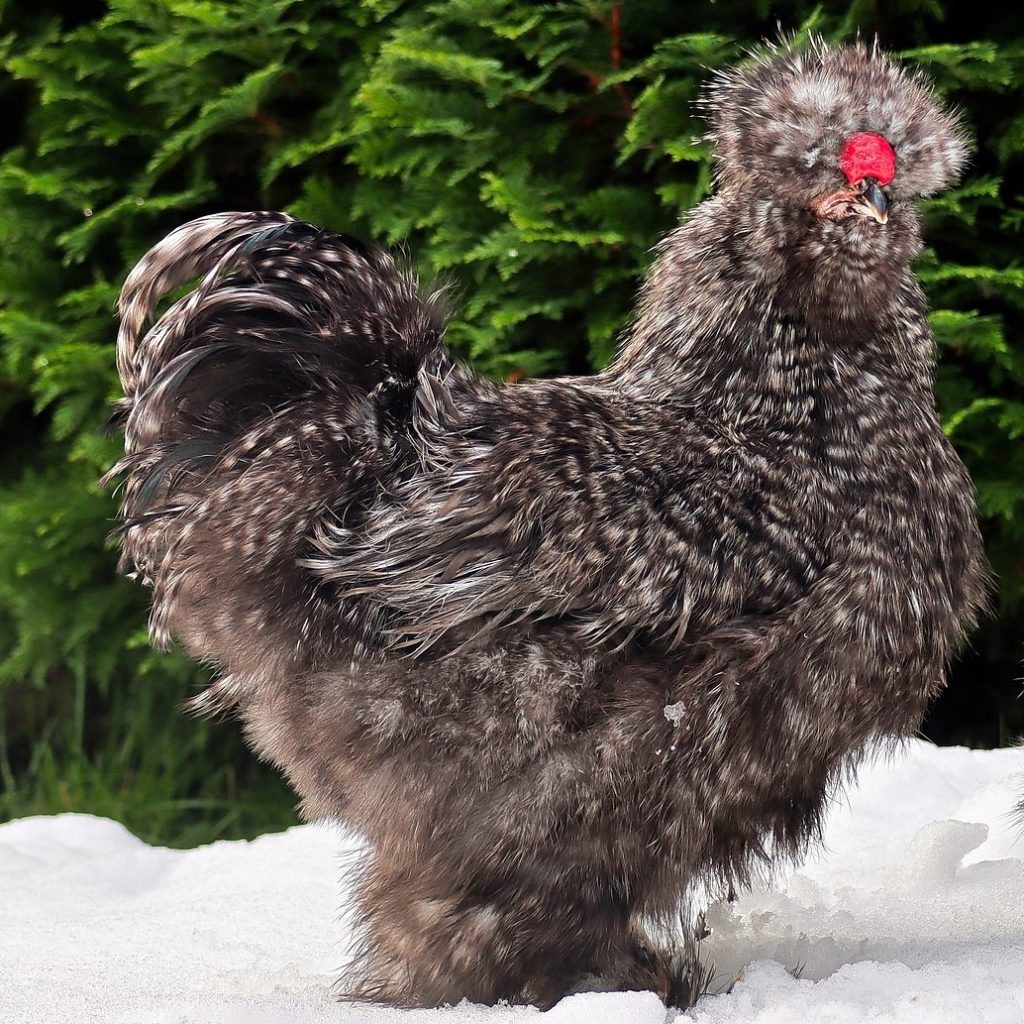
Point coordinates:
pixel 565 649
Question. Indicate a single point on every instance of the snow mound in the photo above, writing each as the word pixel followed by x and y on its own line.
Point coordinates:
pixel 913 912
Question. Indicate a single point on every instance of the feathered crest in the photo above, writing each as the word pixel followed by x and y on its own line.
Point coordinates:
pixel 781 118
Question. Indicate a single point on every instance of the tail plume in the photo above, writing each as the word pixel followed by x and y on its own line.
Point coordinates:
pixel 275 392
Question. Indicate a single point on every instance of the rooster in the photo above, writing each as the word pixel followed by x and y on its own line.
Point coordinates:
pixel 562 651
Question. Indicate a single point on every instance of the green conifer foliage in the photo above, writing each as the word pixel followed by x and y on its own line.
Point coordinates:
pixel 530 153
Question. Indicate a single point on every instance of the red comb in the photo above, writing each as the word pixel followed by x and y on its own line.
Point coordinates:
pixel 868 155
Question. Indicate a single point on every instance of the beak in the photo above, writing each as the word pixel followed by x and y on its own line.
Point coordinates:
pixel 872 202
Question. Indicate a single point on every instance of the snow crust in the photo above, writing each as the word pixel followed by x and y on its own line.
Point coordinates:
pixel 912 913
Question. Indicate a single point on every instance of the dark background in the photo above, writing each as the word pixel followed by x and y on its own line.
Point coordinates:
pixel 530 153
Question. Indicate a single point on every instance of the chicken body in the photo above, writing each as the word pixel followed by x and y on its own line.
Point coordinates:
pixel 558 650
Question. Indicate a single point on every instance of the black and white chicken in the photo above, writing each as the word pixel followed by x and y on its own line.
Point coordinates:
pixel 562 650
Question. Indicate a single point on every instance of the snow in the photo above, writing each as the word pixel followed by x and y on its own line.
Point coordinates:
pixel 675 712
pixel 912 913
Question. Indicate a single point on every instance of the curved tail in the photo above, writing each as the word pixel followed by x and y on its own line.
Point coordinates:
pixel 276 390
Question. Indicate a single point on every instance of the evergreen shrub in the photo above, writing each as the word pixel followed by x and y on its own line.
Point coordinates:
pixel 530 152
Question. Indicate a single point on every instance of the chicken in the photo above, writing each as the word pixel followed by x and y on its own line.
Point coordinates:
pixel 564 650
